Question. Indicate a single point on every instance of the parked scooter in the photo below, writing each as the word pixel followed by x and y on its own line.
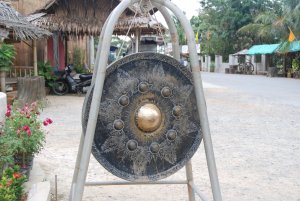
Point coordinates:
pixel 67 83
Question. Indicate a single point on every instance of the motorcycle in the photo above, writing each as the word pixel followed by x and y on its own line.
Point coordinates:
pixel 67 83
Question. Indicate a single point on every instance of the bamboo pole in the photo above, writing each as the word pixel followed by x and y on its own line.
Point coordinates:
pixel 35 67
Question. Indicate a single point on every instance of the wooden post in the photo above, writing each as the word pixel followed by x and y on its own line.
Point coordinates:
pixel 92 52
pixel 66 51
pixel 137 40
pixel 87 52
pixel 46 51
pixel 35 58
pixel 2 79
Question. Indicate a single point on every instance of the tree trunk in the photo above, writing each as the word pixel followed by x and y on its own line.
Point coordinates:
pixel 31 89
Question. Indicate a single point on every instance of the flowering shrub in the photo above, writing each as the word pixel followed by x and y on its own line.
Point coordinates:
pixel 22 131
pixel 11 184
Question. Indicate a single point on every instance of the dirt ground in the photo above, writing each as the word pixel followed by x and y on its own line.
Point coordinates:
pixel 256 143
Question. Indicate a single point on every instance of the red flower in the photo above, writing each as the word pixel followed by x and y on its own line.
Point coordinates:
pixel 8 113
pixel 49 121
pixel 45 123
pixel 28 132
pixel 8 107
pixel 17 175
pixel 26 128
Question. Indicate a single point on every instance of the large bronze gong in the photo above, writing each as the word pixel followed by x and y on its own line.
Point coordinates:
pixel 148 126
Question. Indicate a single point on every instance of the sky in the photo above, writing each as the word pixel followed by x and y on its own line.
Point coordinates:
pixel 190 7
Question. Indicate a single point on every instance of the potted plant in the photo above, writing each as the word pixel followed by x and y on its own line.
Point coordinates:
pixel 46 70
pixel 24 131
pixel 12 185
pixel 7 55
pixel 7 150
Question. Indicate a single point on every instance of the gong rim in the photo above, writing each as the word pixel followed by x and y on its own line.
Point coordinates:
pixel 170 134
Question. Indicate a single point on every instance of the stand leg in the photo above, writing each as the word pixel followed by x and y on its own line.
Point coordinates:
pixel 201 104
pixel 190 179
pixel 103 56
pixel 78 161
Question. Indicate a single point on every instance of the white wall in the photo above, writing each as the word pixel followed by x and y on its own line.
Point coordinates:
pixel 233 60
pixel 2 107
pixel 205 63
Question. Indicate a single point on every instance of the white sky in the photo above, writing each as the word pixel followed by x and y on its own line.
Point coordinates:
pixel 190 7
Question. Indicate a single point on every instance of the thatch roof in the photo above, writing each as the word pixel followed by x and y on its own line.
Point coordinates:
pixel 11 20
pixel 146 24
pixel 87 17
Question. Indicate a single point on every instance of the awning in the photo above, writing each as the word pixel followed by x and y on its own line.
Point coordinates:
pixel 263 49
pixel 289 47
pixel 242 52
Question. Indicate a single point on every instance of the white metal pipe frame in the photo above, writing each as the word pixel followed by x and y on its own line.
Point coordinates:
pixel 99 77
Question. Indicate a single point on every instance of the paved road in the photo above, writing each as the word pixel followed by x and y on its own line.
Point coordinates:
pixel 280 90
pixel 255 128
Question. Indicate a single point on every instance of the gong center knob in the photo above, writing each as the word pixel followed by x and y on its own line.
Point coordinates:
pixel 148 117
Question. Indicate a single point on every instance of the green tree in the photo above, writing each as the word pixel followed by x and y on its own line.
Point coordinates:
pixel 180 31
pixel 219 21
pixel 274 26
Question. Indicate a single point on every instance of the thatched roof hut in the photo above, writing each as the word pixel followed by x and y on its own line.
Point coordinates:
pixel 146 24
pixel 76 17
pixel 87 17
pixel 19 26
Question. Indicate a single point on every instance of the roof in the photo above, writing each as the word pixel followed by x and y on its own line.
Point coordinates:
pixel 294 46
pixel 11 20
pixel 242 52
pixel 284 47
pixel 263 49
pixel 146 24
pixel 78 17
pixel 289 47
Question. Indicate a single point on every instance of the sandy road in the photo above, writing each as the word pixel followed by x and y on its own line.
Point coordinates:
pixel 256 136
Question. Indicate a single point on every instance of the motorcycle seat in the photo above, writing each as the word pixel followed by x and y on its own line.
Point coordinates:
pixel 85 76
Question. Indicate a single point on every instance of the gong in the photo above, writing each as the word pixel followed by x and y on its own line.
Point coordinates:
pixel 148 125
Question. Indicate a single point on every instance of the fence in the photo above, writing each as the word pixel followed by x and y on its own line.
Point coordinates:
pixel 21 71
pixel 233 60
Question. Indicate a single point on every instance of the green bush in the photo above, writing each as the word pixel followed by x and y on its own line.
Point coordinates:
pixel 46 70
pixel 23 132
pixel 78 57
pixel 11 184
pixel 296 65
pixel 7 150
pixel 7 56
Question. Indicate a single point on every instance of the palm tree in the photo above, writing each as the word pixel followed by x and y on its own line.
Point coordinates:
pixel 274 26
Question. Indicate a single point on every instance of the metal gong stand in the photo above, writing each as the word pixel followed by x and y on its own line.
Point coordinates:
pixel 86 141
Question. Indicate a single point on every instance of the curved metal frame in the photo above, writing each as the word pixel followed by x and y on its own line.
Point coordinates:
pixel 99 77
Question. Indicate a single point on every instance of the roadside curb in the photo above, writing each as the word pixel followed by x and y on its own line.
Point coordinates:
pixel 38 187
